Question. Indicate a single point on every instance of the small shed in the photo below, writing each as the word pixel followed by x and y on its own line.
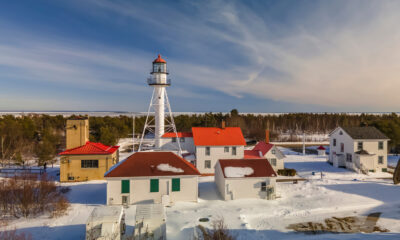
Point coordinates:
pixel 106 222
pixel 150 222
pixel 321 150
pixel 245 178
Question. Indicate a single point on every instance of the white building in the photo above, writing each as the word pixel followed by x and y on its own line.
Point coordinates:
pixel 106 222
pixel 321 151
pixel 170 141
pixel 152 177
pixel 212 144
pixel 358 148
pixel 268 151
pixel 245 178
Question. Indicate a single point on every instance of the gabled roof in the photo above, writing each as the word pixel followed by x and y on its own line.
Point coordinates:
pixel 212 136
pixel 147 164
pixel 261 167
pixel 263 147
pixel 251 154
pixel 91 148
pixel 364 133
pixel 321 148
pixel 363 152
pixel 180 134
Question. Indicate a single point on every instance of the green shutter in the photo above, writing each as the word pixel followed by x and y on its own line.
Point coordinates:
pixel 176 184
pixel 124 186
pixel 153 185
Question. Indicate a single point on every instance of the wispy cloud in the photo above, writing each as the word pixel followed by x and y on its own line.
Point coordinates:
pixel 348 59
pixel 343 55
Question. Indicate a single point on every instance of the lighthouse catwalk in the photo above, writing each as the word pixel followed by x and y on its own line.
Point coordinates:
pixel 159 102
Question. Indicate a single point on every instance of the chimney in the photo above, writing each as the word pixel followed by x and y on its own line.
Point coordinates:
pixel 223 124
pixel 267 136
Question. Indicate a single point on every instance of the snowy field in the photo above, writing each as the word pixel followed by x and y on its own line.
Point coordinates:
pixel 340 193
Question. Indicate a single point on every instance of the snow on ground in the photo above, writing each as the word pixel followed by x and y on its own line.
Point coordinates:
pixel 339 193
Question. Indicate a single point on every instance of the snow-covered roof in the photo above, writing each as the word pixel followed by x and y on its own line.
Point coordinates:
pixel 246 168
pixel 232 172
pixel 168 168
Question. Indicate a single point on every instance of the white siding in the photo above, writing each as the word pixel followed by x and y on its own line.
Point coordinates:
pixel 140 190
pixel 220 180
pixel 216 153
pixel 278 156
pixel 188 145
pixel 238 188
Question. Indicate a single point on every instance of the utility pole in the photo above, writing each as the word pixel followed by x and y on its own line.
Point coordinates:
pixel 133 132
pixel 304 143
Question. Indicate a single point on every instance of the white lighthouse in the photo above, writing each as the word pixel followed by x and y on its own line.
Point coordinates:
pixel 159 103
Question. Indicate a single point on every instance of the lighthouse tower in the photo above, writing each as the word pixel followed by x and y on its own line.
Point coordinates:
pixel 159 103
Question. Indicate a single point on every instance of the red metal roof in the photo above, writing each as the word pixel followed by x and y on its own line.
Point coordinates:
pixel 91 148
pixel 261 167
pixel 212 136
pixel 321 148
pixel 159 59
pixel 251 154
pixel 144 164
pixel 180 134
pixel 263 147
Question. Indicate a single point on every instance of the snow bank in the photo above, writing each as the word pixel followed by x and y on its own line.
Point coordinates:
pixel 165 167
pixel 238 171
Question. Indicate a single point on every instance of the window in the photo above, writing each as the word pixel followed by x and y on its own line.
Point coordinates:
pixel 349 157
pixel 89 163
pixel 233 150
pixel 208 150
pixel 334 142
pixel 342 147
pixel 174 139
pixel 153 185
pixel 360 146
pixel 273 161
pixel 380 160
pixel 182 139
pixel 124 186
pixel 340 133
pixel 226 149
pixel 273 151
pixel 263 186
pixel 380 145
pixel 124 200
pixel 176 184
pixel 207 164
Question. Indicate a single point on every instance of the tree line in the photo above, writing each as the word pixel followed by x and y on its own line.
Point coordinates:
pixel 42 137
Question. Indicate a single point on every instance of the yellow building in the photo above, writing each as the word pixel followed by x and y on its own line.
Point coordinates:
pixel 84 160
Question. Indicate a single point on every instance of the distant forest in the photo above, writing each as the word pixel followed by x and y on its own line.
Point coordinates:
pixel 41 137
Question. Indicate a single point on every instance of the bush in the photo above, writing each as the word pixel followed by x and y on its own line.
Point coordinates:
pixel 26 195
pixel 287 172
pixel 13 235
pixel 219 231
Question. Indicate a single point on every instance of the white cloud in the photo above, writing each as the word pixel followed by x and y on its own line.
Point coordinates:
pixel 348 58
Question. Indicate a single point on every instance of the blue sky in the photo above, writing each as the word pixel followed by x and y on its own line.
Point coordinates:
pixel 256 56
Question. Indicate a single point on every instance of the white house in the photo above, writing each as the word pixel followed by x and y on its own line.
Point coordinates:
pixel 212 144
pixel 358 148
pixel 152 177
pixel 170 141
pixel 267 151
pixel 245 178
